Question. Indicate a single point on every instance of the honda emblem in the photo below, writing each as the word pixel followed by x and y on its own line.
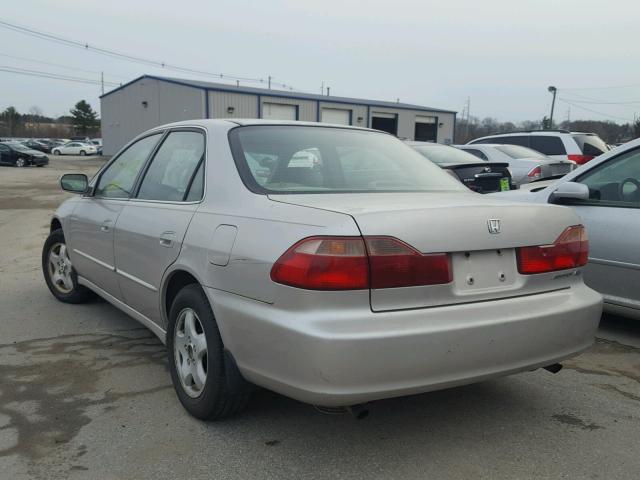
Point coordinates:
pixel 493 224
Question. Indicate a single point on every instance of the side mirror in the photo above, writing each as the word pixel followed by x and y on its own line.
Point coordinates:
pixel 570 190
pixel 74 182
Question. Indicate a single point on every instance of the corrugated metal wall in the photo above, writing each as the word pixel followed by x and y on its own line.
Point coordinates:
pixel 124 116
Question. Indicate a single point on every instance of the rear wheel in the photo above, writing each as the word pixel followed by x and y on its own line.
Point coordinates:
pixel 207 385
pixel 59 273
pixel 21 162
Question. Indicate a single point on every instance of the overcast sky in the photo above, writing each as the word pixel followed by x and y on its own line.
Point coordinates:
pixel 502 54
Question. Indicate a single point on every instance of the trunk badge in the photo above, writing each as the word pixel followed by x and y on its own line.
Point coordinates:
pixel 493 225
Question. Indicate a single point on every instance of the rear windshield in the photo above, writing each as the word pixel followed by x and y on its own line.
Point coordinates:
pixel 590 144
pixel 516 151
pixel 441 154
pixel 307 159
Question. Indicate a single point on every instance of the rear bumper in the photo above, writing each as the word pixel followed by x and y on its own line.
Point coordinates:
pixel 360 356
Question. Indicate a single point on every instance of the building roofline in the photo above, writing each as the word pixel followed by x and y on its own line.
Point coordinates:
pixel 218 87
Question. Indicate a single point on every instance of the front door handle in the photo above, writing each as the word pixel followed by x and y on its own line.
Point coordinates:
pixel 106 226
pixel 167 239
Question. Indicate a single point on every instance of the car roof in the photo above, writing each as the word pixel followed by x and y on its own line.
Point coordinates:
pixel 230 122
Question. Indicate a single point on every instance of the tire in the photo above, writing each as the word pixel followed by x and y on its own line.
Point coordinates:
pixel 56 152
pixel 82 153
pixel 22 162
pixel 223 392
pixel 68 291
pixel 40 165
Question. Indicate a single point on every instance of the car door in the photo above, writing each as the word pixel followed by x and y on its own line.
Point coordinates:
pixel 90 228
pixel 152 226
pixel 612 218
pixel 5 154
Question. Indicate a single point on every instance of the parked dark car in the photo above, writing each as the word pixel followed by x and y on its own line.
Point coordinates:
pixel 16 154
pixel 37 145
pixel 477 175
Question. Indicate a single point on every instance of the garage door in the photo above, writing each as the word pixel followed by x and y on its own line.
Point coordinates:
pixel 426 129
pixel 279 111
pixel 336 115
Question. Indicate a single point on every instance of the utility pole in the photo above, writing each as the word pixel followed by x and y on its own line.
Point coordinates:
pixel 322 88
pixel 102 81
pixel 269 82
pixel 553 90
pixel 468 118
pixel 328 90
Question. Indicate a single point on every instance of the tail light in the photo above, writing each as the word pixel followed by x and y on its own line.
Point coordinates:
pixel 535 172
pixel 570 250
pixel 580 159
pixel 354 263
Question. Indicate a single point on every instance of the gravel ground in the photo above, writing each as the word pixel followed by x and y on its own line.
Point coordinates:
pixel 85 393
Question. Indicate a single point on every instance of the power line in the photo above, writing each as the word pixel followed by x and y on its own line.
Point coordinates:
pixel 595 101
pixel 55 76
pixel 128 57
pixel 593 111
pixel 32 60
pixel 614 87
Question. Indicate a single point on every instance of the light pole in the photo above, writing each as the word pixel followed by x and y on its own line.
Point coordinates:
pixel 553 90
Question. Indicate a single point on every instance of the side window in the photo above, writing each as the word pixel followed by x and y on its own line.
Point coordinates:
pixel 171 170
pixel 118 179
pixel 547 144
pixel 521 140
pixel 616 182
pixel 477 153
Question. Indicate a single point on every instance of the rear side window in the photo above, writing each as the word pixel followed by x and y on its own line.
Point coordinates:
pixel 173 167
pixel 547 144
pixel 590 144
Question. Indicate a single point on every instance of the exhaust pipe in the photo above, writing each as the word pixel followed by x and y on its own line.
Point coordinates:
pixel 553 368
pixel 359 411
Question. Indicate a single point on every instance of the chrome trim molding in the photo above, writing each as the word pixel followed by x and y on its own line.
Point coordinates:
pixel 95 260
pixel 136 280
pixel 150 324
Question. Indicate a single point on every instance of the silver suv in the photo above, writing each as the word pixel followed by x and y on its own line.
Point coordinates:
pixel 559 144
pixel 331 264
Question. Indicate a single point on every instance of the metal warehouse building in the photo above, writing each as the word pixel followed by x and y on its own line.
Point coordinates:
pixel 149 101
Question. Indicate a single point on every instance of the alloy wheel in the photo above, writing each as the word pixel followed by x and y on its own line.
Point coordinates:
pixel 190 352
pixel 60 268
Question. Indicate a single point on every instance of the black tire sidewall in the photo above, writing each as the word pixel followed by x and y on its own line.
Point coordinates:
pixel 82 153
pixel 203 406
pixel 79 293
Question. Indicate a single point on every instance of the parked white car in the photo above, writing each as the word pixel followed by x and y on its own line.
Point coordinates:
pixel 75 148
pixel 579 147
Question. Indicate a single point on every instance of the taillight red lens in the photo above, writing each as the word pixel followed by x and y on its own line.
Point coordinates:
pixel 535 172
pixel 396 264
pixel 324 263
pixel 570 250
pixel 580 159
pixel 343 263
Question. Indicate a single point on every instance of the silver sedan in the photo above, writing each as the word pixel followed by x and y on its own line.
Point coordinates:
pixel 526 165
pixel 330 264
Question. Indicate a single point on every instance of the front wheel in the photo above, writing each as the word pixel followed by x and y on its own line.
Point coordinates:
pixel 59 273
pixel 82 153
pixel 56 152
pixel 21 162
pixel 207 385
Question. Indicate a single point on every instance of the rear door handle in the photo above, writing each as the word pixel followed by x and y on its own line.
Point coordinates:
pixel 106 226
pixel 167 238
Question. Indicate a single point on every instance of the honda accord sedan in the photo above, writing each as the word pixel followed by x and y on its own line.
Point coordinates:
pixel 330 264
